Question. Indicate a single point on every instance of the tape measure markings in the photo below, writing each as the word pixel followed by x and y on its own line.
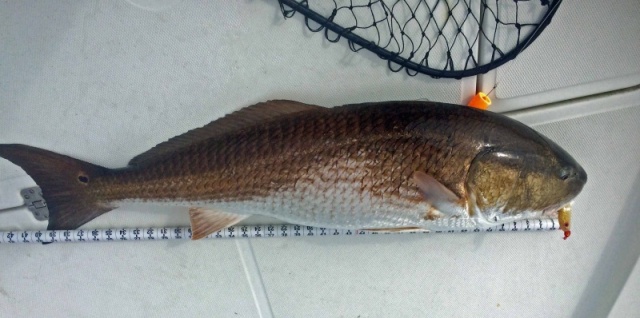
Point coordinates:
pixel 240 231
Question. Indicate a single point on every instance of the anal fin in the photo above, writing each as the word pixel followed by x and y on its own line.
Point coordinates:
pixel 207 221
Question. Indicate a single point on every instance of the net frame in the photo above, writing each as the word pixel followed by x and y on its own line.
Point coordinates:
pixel 474 63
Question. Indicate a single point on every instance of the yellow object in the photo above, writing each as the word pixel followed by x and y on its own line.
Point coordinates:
pixel 480 101
pixel 564 218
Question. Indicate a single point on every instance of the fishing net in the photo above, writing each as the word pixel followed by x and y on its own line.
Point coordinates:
pixel 440 38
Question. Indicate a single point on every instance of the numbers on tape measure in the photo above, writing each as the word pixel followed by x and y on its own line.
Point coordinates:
pixel 123 235
pixel 244 231
pixel 109 234
pixel 95 235
pixel 150 234
pixel 10 237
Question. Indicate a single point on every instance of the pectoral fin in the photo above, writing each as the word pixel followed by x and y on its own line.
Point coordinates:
pixel 438 195
pixel 205 222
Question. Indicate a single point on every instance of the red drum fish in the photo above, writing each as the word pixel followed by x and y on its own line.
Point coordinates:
pixel 386 166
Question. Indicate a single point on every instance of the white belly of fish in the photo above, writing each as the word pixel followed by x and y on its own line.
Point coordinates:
pixel 341 206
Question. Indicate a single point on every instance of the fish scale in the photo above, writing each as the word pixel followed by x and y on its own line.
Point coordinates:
pixel 373 165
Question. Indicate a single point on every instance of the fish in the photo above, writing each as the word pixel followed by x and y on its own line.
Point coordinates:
pixel 386 166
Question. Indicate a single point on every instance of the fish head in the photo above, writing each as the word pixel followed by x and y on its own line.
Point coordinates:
pixel 522 173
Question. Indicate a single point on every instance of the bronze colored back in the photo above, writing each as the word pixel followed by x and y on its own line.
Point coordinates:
pixel 392 140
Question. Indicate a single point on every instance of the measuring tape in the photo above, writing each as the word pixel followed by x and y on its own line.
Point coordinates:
pixel 240 231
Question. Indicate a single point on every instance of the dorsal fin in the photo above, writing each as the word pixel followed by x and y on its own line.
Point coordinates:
pixel 238 120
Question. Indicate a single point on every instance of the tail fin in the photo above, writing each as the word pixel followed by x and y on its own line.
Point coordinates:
pixel 64 182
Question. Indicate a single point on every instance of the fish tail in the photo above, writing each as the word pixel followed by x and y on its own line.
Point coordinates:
pixel 65 183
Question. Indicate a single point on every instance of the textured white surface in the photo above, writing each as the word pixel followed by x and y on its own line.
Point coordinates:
pixel 627 304
pixel 590 47
pixel 164 279
pixel 105 81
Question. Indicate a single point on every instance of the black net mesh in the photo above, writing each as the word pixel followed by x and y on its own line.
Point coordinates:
pixel 440 38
